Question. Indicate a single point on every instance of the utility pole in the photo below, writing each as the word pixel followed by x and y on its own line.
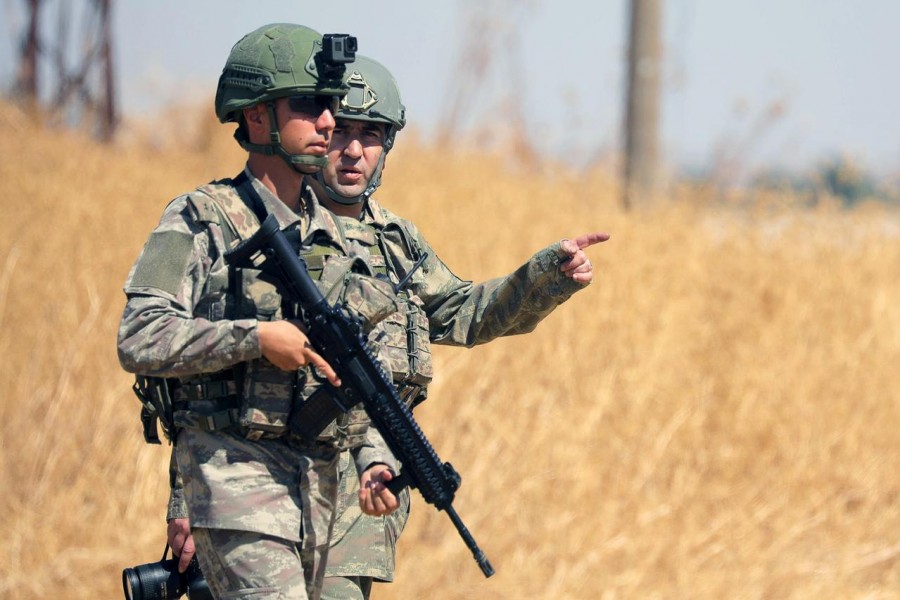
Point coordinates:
pixel 26 77
pixel 642 159
pixel 109 116
pixel 80 77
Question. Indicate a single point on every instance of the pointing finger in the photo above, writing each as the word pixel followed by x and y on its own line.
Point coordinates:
pixel 589 239
pixel 572 246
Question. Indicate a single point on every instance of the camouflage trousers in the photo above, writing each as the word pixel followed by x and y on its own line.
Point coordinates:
pixel 346 588
pixel 363 548
pixel 263 509
pixel 243 564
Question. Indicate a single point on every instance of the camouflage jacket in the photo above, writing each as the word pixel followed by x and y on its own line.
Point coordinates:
pixel 176 322
pixel 444 308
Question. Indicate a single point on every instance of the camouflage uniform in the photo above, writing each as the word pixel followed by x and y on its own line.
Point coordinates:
pixel 243 467
pixel 445 310
pixel 438 307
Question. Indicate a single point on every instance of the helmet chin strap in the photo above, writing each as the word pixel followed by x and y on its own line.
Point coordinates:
pixel 274 148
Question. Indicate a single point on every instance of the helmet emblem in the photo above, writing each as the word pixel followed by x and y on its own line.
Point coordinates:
pixel 361 96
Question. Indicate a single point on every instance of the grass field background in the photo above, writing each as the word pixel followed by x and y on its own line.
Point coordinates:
pixel 717 416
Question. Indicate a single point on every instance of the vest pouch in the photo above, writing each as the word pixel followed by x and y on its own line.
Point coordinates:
pixel 347 282
pixel 368 298
pixel 352 428
pixel 405 344
pixel 267 392
pixel 267 400
pixel 421 369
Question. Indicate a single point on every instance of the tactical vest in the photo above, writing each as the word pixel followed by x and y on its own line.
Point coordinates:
pixel 257 397
pixel 402 338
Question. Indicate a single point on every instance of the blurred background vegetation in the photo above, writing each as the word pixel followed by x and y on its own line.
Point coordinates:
pixel 717 416
pixel 64 72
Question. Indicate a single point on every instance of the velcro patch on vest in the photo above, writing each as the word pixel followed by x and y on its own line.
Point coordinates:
pixel 164 263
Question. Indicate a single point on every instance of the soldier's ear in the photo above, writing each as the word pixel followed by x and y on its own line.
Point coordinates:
pixel 256 117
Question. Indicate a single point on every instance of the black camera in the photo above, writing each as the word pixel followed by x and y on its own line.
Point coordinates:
pixel 338 49
pixel 162 581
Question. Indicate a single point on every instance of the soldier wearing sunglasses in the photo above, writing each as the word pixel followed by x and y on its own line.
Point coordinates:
pixel 221 362
pixel 435 306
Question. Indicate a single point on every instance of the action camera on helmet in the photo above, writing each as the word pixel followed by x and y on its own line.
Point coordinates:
pixel 338 49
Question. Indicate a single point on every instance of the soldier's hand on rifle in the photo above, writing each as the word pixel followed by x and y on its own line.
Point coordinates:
pixel 374 498
pixel 578 266
pixel 178 534
pixel 286 346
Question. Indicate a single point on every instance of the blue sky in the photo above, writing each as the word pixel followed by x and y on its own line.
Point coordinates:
pixel 828 65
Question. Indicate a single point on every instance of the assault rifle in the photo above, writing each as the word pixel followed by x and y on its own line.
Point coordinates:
pixel 338 338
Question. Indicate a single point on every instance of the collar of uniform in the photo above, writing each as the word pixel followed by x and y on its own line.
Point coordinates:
pixel 319 222
pixel 373 214
pixel 274 206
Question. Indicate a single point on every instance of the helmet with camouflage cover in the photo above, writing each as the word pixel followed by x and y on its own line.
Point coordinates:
pixel 276 61
pixel 373 96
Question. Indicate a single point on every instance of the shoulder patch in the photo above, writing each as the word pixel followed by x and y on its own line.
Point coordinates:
pixel 164 262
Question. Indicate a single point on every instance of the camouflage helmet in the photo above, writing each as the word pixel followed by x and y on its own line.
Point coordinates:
pixel 374 96
pixel 276 60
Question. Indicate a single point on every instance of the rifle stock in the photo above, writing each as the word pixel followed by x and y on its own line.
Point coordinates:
pixel 339 339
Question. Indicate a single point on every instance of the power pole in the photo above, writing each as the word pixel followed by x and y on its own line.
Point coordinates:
pixel 109 114
pixel 80 78
pixel 26 78
pixel 642 159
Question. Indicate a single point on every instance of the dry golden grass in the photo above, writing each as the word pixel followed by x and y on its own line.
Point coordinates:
pixel 718 416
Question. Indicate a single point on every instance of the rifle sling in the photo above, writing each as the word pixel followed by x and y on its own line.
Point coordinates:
pixel 322 407
pixel 250 196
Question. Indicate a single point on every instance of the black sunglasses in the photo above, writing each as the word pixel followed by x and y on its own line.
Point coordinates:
pixel 313 104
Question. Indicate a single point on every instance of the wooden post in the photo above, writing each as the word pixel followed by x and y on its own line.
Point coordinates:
pixel 642 160
pixel 26 77
pixel 108 110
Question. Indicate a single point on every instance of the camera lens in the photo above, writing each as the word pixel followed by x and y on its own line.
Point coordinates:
pixel 153 581
pixel 130 582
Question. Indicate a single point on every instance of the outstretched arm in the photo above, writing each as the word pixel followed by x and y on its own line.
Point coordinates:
pixel 463 313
